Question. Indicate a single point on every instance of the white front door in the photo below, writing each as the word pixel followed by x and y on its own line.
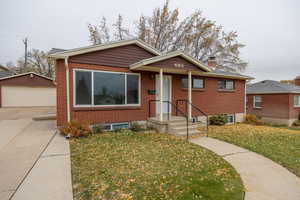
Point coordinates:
pixel 167 95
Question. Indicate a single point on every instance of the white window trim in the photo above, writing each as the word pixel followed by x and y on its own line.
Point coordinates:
pixel 226 80
pixel 193 83
pixel 92 93
pixel 119 123
pixel 295 105
pixel 254 106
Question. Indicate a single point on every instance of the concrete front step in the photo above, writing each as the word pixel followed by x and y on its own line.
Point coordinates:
pixel 183 129
pixel 183 133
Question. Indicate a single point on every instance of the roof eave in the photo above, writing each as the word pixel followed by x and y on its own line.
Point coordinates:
pixel 89 49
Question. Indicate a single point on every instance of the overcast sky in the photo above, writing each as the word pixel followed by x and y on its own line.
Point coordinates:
pixel 269 28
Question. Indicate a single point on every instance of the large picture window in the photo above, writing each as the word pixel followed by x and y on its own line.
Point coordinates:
pixel 83 88
pixel 98 88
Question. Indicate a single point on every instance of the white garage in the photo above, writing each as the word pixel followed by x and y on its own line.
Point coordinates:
pixel 27 90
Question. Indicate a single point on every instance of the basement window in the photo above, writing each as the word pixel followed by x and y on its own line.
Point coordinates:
pixel 116 126
pixel 230 119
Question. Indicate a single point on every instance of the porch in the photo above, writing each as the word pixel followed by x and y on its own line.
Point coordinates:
pixel 167 116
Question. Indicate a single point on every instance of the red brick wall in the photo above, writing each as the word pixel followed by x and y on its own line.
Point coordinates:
pixel 210 100
pixel 273 105
pixel 61 95
pixel 294 111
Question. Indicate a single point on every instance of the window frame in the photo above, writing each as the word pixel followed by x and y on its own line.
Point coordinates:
pixel 233 117
pixel 92 105
pixel 297 105
pixel 226 89
pixel 254 106
pixel 194 88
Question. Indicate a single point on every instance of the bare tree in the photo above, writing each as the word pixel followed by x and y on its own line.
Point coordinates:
pixel 195 35
pixel 99 33
pixel 121 33
pixel 37 62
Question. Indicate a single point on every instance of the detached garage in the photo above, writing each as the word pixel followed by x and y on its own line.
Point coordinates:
pixel 27 90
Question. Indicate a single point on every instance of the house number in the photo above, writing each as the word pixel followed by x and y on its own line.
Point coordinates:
pixel 178 65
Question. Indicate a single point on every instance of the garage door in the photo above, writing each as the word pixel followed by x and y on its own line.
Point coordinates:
pixel 16 96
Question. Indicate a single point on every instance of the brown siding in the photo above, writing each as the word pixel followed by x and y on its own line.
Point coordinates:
pixel 273 106
pixel 118 57
pixel 171 62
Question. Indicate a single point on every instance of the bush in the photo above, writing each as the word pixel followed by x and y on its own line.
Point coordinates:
pixel 218 120
pixel 134 126
pixel 252 119
pixel 99 128
pixel 75 129
pixel 296 123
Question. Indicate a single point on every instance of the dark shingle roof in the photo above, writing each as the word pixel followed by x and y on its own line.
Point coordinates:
pixel 4 74
pixel 271 87
pixel 55 50
pixel 233 74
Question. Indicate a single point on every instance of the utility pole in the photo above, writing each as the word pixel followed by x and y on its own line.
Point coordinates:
pixel 25 43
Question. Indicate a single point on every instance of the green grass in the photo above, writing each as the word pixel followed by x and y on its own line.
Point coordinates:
pixel 139 166
pixel 280 144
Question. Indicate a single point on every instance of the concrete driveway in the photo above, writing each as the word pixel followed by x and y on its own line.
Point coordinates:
pixel 23 142
pixel 24 113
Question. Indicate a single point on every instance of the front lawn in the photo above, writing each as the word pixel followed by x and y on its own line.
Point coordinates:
pixel 129 165
pixel 279 144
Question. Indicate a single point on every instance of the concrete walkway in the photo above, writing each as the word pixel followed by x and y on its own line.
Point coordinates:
pixel 24 142
pixel 262 178
pixel 50 178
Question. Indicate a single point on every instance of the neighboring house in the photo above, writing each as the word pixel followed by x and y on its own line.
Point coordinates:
pixel 27 90
pixel 5 72
pixel 274 102
pixel 113 84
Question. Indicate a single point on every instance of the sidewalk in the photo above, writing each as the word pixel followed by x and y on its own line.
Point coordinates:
pixel 262 178
pixel 50 178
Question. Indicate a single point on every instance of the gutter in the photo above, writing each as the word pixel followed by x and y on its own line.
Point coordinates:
pixel 68 89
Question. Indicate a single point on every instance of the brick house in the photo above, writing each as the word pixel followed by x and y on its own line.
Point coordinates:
pixel 274 102
pixel 121 82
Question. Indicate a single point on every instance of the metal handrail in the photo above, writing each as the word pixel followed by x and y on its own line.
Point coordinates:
pixel 177 110
pixel 198 109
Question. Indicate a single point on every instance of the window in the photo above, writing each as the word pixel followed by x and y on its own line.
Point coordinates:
pixel 296 101
pixel 197 83
pixel 226 84
pixel 257 102
pixel 116 126
pixel 83 88
pixel 230 119
pixel 97 88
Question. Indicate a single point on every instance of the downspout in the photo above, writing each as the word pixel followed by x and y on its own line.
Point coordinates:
pixel 68 89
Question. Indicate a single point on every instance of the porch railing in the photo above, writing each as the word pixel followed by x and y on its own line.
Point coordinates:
pixel 177 110
pixel 195 107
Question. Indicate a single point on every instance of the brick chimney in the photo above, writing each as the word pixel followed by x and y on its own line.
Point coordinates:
pixel 297 81
pixel 212 62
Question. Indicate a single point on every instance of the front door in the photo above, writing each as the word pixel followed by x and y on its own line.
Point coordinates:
pixel 167 96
